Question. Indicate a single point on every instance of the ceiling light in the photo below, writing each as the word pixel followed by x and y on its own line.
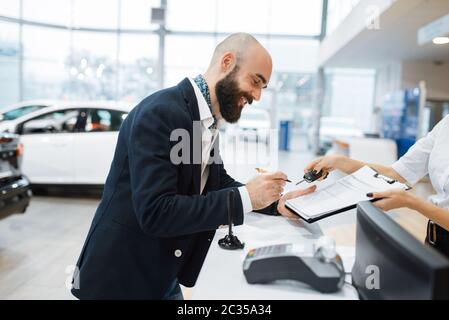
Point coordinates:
pixel 441 40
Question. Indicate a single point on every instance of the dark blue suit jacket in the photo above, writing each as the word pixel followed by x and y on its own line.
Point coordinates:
pixel 151 207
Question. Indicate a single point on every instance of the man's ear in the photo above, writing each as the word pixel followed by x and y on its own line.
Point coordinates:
pixel 227 62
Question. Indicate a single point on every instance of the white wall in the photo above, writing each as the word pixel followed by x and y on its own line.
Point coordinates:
pixel 435 75
pixel 407 74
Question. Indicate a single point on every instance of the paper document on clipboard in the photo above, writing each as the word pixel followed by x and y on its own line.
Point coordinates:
pixel 342 195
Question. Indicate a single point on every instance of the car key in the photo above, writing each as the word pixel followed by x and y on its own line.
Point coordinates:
pixel 311 176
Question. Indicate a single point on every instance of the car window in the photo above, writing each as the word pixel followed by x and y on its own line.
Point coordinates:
pixel 19 112
pixel 54 122
pixel 103 120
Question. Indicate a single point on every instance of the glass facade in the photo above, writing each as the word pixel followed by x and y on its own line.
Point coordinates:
pixel 10 67
pixel 350 94
pixel 10 8
pixel 44 69
pixel 180 63
pixel 337 11
pixel 298 17
pixel 71 52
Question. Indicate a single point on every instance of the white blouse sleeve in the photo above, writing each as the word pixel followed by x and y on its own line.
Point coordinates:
pixel 413 166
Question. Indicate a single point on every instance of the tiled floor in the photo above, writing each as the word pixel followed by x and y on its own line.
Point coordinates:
pixel 38 248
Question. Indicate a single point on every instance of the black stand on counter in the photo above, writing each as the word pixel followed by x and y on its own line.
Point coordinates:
pixel 230 242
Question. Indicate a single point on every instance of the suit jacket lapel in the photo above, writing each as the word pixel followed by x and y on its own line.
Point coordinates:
pixel 192 105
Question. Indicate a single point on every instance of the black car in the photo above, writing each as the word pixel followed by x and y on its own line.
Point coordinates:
pixel 15 192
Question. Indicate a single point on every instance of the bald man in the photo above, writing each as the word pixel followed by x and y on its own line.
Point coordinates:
pixel 167 190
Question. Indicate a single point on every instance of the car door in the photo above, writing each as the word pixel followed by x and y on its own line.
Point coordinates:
pixel 95 146
pixel 48 147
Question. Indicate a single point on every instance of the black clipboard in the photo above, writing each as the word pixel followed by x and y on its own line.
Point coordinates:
pixel 347 208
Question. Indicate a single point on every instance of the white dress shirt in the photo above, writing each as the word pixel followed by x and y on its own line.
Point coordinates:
pixel 208 138
pixel 430 155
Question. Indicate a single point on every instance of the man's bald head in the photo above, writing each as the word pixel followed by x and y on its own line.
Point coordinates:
pixel 239 70
pixel 239 44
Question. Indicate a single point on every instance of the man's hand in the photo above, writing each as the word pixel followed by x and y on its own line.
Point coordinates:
pixel 291 195
pixel 392 199
pixel 266 189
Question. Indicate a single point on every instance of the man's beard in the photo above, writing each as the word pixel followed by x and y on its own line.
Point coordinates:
pixel 228 96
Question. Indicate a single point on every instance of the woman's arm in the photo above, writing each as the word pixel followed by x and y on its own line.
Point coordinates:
pixel 394 199
pixel 410 168
pixel 438 215
pixel 349 166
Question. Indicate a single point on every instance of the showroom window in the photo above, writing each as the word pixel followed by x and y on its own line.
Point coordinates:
pixel 292 84
pixel 111 56
pixel 87 13
pixel 115 55
pixel 56 12
pixel 9 63
pixel 181 63
pixel 10 8
pixel 236 16
pixel 299 17
pixel 337 11
pixel 350 95
pixel 92 67
pixel 135 14
pixel 177 19
pixel 138 57
pixel 44 71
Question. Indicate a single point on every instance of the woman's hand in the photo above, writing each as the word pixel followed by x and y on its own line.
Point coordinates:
pixel 325 164
pixel 334 162
pixel 291 195
pixel 393 199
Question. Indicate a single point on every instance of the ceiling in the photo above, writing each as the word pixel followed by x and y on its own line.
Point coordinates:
pixel 396 39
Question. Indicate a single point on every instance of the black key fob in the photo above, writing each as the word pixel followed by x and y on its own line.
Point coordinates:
pixel 313 176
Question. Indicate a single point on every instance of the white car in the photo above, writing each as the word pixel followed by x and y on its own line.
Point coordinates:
pixel 253 124
pixel 71 143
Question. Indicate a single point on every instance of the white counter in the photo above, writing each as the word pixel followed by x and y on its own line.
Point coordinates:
pixel 222 276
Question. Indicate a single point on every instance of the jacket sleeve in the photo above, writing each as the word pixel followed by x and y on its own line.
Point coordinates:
pixel 226 181
pixel 271 210
pixel 160 210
